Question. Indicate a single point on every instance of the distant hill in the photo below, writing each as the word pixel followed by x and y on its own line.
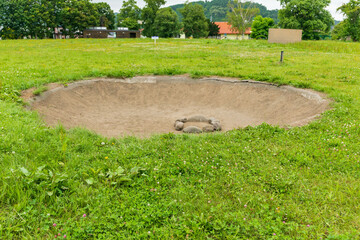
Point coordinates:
pixel 217 9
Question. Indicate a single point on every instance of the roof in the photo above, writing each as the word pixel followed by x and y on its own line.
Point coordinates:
pixel 226 28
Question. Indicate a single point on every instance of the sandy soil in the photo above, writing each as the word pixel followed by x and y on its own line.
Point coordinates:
pixel 147 105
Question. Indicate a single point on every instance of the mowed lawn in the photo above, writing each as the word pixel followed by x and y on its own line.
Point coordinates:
pixel 261 182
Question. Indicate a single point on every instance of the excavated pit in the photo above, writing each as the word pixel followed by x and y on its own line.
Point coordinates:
pixel 147 105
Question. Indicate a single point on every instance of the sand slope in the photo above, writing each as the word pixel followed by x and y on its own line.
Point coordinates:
pixel 146 105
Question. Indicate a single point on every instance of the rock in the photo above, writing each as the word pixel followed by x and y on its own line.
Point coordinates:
pixel 197 118
pixel 179 126
pixel 213 120
pixel 183 119
pixel 214 124
pixel 217 126
pixel 209 128
pixel 192 129
pixel 176 122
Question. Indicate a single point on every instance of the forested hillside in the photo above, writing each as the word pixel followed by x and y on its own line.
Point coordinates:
pixel 217 9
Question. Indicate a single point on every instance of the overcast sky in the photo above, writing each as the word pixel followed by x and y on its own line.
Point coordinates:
pixel 270 4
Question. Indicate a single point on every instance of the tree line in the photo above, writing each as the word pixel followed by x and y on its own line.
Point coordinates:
pixel 39 18
pixel 309 15
pixel 165 22
pixel 195 19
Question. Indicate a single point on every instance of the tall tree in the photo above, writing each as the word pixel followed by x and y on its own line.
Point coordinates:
pixel 149 14
pixel 194 20
pixel 351 24
pixel 106 15
pixel 166 23
pixel 13 20
pixel 213 28
pixel 39 18
pixel 308 15
pixel 260 27
pixel 44 17
pixel 340 31
pixel 240 17
pixel 77 15
pixel 129 15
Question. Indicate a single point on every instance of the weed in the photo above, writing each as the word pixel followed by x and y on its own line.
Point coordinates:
pixel 40 90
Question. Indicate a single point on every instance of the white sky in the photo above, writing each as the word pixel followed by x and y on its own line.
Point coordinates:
pixel 270 4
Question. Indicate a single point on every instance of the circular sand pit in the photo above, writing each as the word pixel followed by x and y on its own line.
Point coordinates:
pixel 148 105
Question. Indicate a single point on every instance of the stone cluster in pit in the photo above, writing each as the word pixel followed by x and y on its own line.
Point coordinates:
pixel 214 124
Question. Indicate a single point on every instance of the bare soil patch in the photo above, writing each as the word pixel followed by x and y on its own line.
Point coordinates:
pixel 147 105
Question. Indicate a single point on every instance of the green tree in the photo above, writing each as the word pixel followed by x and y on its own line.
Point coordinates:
pixel 194 20
pixel 308 15
pixel 77 15
pixel 166 23
pixel 41 18
pixel 217 12
pixel 25 18
pixel 129 15
pixel 149 14
pixel 106 15
pixel 38 18
pixel 213 28
pixel 13 20
pixel 340 31
pixel 351 24
pixel 260 27
pixel 240 17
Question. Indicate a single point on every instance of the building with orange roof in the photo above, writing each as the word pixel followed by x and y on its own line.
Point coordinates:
pixel 226 32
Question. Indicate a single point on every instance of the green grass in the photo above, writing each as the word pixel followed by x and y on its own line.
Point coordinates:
pixel 260 182
pixel 39 90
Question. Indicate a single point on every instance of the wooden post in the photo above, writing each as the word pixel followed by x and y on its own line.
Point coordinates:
pixel 282 57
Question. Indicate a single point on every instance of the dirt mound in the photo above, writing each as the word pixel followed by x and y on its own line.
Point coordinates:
pixel 148 105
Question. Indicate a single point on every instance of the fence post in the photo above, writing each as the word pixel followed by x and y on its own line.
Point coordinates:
pixel 282 57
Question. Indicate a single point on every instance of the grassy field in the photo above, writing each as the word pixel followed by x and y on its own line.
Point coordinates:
pixel 260 182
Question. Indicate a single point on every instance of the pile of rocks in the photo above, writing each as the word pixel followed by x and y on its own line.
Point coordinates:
pixel 214 124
